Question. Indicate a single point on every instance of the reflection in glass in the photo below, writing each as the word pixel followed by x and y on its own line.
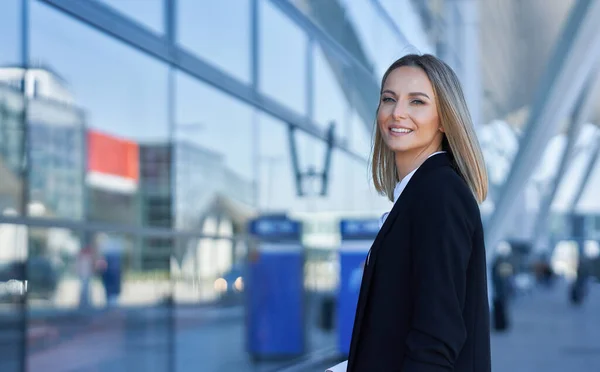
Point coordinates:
pixel 85 297
pixel 99 126
pixel 206 272
pixel 57 161
pixel 330 103
pixel 210 270
pixel 13 287
pixel 228 48
pixel 213 161
pixel 10 28
pixel 282 57
pixel 11 150
pixel 147 12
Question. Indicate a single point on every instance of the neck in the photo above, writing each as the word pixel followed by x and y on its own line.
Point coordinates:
pixel 407 162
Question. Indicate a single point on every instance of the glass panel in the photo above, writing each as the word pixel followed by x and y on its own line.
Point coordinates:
pixel 282 58
pixel 86 297
pixel 360 136
pixel 330 104
pixel 11 150
pixel 13 287
pixel 206 270
pixel 10 39
pixel 11 108
pixel 213 152
pixel 98 114
pixel 211 271
pixel 57 159
pixel 349 186
pixel 228 46
pixel 276 185
pixel 147 12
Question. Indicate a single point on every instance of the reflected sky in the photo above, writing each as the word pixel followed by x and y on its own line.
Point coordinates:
pixel 121 90
pixel 148 13
pixel 217 31
pixel 10 25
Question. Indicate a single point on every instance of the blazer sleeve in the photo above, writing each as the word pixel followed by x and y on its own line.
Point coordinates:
pixel 441 244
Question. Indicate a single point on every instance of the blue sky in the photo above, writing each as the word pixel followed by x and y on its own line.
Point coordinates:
pixel 124 92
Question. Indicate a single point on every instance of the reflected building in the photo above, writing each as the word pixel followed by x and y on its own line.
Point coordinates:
pixel 55 136
pixel 112 178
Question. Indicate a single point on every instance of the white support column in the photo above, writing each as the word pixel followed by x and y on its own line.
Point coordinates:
pixel 580 115
pixel 570 66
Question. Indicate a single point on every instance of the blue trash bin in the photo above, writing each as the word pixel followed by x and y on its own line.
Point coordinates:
pixel 275 289
pixel 357 238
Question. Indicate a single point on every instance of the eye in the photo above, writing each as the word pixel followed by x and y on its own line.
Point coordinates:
pixel 387 99
pixel 417 102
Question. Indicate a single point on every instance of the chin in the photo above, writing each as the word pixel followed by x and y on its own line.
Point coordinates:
pixel 400 150
pixel 401 147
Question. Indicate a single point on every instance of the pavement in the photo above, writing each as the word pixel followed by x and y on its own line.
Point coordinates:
pixel 549 334
pixel 145 339
pixel 546 333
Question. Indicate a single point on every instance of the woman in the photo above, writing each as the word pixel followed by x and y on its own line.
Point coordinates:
pixel 423 304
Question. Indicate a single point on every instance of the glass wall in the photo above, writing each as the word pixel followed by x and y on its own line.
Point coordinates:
pixel 124 240
pixel 282 56
pixel 13 253
pixel 218 32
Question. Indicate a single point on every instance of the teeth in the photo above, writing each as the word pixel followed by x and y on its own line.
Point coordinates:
pixel 401 130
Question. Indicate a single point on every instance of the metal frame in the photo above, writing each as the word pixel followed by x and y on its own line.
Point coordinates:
pixel 326 41
pixel 25 170
pixel 113 23
pixel 299 174
pixel 570 66
pixel 91 226
pixel 362 77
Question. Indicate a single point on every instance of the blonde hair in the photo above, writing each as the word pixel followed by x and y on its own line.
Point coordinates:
pixel 460 140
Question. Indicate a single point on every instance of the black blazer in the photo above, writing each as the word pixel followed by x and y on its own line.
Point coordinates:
pixel 423 304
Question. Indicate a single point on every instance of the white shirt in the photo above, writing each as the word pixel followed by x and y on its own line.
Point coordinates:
pixel 400 186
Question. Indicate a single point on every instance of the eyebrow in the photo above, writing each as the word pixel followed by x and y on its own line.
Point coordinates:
pixel 412 94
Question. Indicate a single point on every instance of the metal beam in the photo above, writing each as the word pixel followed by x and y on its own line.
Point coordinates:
pixel 340 58
pixel 91 226
pixel 326 41
pixel 586 176
pixel 115 24
pixel 583 109
pixel 576 53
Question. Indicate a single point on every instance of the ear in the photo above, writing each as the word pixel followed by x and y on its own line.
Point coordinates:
pixel 441 129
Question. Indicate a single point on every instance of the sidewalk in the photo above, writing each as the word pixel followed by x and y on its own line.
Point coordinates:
pixel 549 334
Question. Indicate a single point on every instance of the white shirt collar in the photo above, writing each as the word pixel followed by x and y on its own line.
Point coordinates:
pixel 400 186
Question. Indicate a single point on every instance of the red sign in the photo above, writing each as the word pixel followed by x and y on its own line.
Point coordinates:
pixel 113 156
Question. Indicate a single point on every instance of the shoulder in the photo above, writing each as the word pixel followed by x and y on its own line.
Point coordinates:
pixel 444 190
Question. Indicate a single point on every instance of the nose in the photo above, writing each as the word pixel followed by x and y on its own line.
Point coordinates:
pixel 399 111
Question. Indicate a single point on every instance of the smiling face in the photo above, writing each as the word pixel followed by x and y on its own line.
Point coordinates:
pixel 407 116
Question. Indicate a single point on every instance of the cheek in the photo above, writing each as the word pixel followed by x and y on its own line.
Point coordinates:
pixel 427 121
pixel 381 118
